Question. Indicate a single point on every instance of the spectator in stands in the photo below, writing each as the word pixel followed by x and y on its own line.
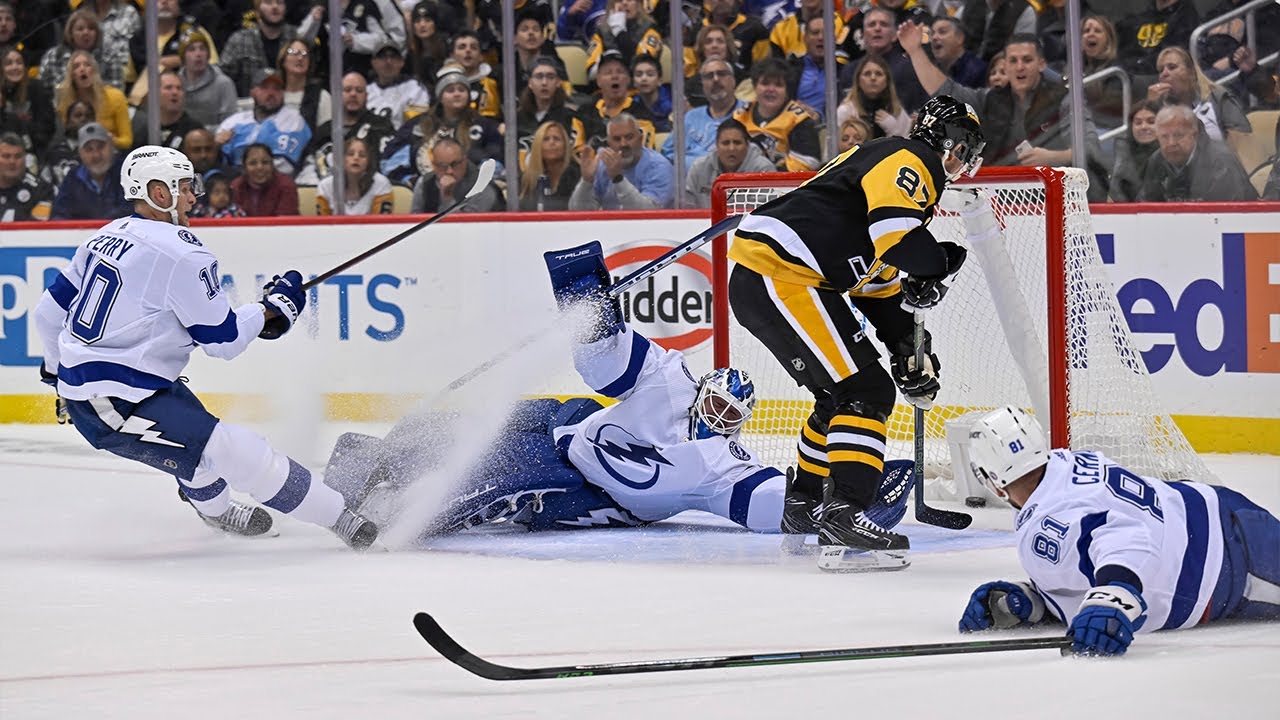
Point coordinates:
pixel 392 94
pixel 210 95
pixel 269 122
pixel 358 121
pixel 1181 83
pixel 1033 109
pixel 82 82
pixel 175 122
pixel 853 132
pixel 988 24
pixel 873 99
pixel 750 37
pixel 734 152
pixel 84 32
pixel 700 124
pixel 532 44
pixel 808 83
pixel 466 55
pixel 9 26
pixel 23 196
pixel 1051 28
pixel 1105 97
pixel 626 29
pixel 202 150
pixel 578 19
pixel 549 175
pixel 428 46
pixel 1165 24
pixel 216 201
pixel 947 41
pixel 254 48
pixel 368 192
pixel 626 175
pixel 1189 167
pixel 613 78
pixel 364 30
pixel 451 116
pixel 63 155
pixel 39 31
pixel 263 191
pixel 1266 21
pixel 92 191
pixel 997 72
pixel 26 104
pixel 712 43
pixel 544 100
pixel 172 26
pixel 119 20
pixel 879 39
pixel 787 35
pixel 650 92
pixel 783 128
pixel 302 91
pixel 1133 150
pixel 452 177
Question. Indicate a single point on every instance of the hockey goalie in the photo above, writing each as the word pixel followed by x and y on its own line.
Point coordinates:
pixel 670 443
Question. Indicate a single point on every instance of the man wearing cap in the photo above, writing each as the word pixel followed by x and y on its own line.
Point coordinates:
pixel 23 196
pixel 270 122
pixel 254 48
pixel 210 95
pixel 613 77
pixel 358 122
pixel 392 94
pixel 174 120
pixel 92 191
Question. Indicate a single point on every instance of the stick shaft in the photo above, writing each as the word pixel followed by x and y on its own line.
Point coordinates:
pixel 924 513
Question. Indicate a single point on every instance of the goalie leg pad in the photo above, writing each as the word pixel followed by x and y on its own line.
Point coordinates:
pixel 1249 586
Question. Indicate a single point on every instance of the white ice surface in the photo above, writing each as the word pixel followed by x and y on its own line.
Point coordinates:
pixel 118 603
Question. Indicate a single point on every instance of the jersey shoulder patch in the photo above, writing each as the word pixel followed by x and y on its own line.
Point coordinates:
pixel 188 237
pixel 738 451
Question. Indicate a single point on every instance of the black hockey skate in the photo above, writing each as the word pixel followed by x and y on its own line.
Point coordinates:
pixel 239 519
pixel 851 543
pixel 801 513
pixel 357 531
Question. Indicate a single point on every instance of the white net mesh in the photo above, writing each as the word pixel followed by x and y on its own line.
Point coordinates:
pixel 992 358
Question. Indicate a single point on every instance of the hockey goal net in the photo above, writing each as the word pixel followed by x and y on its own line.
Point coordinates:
pixel 1031 322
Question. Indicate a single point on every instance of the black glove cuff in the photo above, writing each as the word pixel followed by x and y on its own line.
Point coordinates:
pixel 47 377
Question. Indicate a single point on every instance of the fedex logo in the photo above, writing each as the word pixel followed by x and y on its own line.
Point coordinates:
pixel 24 274
pixel 1231 325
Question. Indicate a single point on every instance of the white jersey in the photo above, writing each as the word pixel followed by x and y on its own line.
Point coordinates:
pixel 1089 512
pixel 639 450
pixel 123 316
pixel 399 102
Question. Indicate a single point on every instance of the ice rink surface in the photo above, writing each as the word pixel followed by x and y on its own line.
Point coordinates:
pixel 118 603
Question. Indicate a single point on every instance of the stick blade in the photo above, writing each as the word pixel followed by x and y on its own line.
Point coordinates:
pixel 437 638
pixel 942 518
pixel 487 168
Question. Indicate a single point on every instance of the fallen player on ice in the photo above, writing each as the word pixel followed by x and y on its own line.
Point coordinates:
pixel 670 444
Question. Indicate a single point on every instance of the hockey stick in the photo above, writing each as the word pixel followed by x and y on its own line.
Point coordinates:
pixel 437 638
pixel 616 289
pixel 483 179
pixel 924 513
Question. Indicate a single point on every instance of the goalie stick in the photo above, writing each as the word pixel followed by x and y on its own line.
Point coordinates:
pixel 924 513
pixel 483 179
pixel 437 638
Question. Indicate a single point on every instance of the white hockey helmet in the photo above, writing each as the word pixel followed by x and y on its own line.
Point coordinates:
pixel 723 405
pixel 1004 445
pixel 158 163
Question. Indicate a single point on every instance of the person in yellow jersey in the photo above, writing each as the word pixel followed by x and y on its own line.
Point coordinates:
pixel 860 226
pixel 784 129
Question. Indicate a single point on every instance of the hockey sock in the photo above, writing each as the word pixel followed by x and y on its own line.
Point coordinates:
pixel 855 451
pixel 812 465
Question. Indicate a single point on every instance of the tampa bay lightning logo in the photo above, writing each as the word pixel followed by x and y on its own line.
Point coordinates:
pixel 738 451
pixel 1025 515
pixel 187 237
pixel 626 458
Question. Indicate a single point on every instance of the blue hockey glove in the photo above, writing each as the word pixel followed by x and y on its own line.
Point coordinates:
pixel 579 276
pixel 1002 605
pixel 285 297
pixel 1107 620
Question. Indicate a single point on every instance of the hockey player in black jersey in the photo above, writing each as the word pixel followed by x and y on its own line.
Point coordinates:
pixel 859 227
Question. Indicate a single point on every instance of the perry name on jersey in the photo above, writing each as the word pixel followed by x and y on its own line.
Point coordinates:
pixel 640 452
pixel 1088 513
pixel 134 301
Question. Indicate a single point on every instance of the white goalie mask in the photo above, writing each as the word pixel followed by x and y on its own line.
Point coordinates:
pixel 723 405
pixel 161 164
pixel 1004 445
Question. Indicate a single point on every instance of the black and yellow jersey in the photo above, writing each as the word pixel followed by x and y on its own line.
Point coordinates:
pixel 833 231
pixel 789 139
pixel 595 122
pixel 640 38
pixel 787 36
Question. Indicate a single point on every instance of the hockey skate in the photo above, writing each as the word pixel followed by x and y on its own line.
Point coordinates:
pixel 851 543
pixel 801 514
pixel 356 531
pixel 239 519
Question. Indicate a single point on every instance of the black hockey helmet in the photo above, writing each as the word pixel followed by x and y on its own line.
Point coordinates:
pixel 951 127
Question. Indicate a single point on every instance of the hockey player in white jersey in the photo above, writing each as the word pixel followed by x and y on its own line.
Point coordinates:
pixel 1111 553
pixel 118 326
pixel 670 444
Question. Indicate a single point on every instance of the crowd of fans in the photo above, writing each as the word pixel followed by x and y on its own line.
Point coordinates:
pixel 243 92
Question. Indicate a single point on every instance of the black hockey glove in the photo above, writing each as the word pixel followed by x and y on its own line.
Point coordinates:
pixel 922 293
pixel 919 385
pixel 59 405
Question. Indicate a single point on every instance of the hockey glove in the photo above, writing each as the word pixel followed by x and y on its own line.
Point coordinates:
pixel 921 293
pixel 1002 605
pixel 1107 620
pixel 285 297
pixel 59 405
pixel 919 385
pixel 579 277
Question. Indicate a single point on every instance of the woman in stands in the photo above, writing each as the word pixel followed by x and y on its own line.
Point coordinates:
pixel 450 116
pixel 544 100
pixel 83 32
pixel 302 91
pixel 26 105
pixel 713 42
pixel 853 132
pixel 549 175
pixel 1181 83
pixel 261 191
pixel 367 191
pixel 997 76
pixel 428 42
pixel 1133 150
pixel 873 99
pixel 83 82
pixel 1105 98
